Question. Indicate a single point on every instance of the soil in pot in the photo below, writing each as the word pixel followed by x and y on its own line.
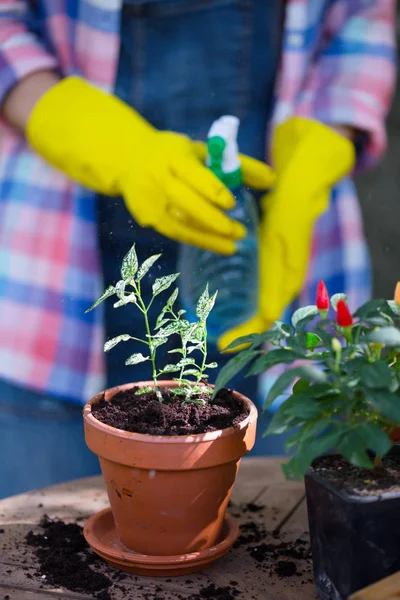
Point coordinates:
pixel 360 482
pixel 145 414
pixel 354 518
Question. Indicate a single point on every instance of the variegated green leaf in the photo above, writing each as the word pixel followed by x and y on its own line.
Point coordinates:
pixel 163 283
pixel 110 291
pixel 186 361
pixel 205 304
pixel 170 329
pixel 130 298
pixel 146 266
pixel 120 288
pixel 171 300
pixel 179 391
pixel 156 342
pixel 137 358
pixel 116 340
pixel 143 390
pixel 171 368
pixel 129 265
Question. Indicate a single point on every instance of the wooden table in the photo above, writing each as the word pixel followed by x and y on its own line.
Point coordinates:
pixel 260 481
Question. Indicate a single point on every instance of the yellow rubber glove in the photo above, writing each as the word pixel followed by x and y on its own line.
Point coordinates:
pixel 309 158
pixel 105 145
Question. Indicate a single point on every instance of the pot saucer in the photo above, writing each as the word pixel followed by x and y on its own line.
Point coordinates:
pixel 100 533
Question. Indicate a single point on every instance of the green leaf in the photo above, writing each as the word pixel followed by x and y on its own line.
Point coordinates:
pixel 179 391
pixel 212 365
pixel 146 266
pixel 281 423
pixel 387 403
pixel 352 446
pixel 205 304
pixel 376 375
pixel 282 328
pixel 272 358
pixel 110 291
pixel 155 342
pixel 206 389
pixel 308 432
pixel 191 372
pixel 116 340
pixel 374 438
pixel 162 283
pixel 303 406
pixel 280 386
pixel 394 307
pixel 255 339
pixel 186 361
pixel 388 336
pixel 171 368
pixel 193 348
pixel 335 299
pixel 137 358
pixel 300 386
pixel 161 322
pixel 120 288
pixel 129 264
pixel 307 372
pixel 130 298
pixel 312 374
pixel 233 367
pixel 305 314
pixel 143 390
pixel 370 308
pixel 175 351
pixel 174 327
pixel 382 321
pixel 312 340
pixel 307 452
pixel 172 299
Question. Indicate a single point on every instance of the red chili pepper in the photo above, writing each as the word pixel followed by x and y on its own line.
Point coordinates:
pixel 322 296
pixel 343 315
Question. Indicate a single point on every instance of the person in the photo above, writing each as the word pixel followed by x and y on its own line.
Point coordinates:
pixel 100 104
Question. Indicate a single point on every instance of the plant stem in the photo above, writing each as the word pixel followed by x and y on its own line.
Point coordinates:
pixel 204 351
pixel 378 461
pixel 151 349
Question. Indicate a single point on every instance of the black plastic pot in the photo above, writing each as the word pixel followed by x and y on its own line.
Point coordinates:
pixel 355 540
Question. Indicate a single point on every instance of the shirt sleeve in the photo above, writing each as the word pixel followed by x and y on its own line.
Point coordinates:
pixel 351 80
pixel 21 51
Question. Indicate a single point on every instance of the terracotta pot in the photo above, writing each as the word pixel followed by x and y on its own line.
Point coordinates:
pixel 168 494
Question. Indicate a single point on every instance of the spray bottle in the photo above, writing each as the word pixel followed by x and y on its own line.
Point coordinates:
pixel 235 277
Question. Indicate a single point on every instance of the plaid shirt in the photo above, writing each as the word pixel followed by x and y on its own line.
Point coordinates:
pixel 337 66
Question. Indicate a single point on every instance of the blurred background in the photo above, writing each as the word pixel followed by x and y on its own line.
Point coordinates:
pixel 379 192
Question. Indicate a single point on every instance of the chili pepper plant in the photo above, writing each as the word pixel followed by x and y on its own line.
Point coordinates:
pixel 342 380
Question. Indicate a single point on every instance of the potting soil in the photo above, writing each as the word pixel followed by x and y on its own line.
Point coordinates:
pixel 145 414
pixel 362 482
pixel 65 560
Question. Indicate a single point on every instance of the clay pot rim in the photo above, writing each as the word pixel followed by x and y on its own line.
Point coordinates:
pixel 165 439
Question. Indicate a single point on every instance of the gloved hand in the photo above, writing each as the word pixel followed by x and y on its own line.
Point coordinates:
pixel 105 145
pixel 309 158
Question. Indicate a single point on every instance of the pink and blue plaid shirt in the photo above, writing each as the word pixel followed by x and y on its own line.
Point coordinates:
pixel 337 66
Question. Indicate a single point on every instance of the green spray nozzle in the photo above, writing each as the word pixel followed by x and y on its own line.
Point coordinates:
pixel 223 158
pixel 216 146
